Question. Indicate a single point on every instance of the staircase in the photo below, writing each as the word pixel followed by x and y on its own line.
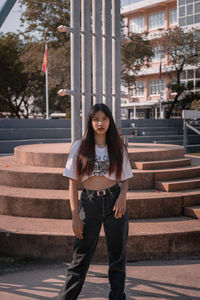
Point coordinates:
pixel 163 203
pixel 161 132
pixel 16 132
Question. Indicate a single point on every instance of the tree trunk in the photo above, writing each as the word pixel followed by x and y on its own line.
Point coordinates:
pixel 168 115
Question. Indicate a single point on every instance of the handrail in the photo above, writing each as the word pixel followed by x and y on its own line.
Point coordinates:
pixel 185 125
pixel 193 128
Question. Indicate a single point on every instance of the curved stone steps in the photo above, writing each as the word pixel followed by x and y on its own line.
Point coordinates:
pixel 53 239
pixel 34 189
pixel 55 155
pixel 162 164
pixel 177 185
pixel 177 173
pixel 13 173
pixel 192 211
pixel 44 203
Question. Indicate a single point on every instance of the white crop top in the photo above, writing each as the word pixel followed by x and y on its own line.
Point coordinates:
pixel 101 164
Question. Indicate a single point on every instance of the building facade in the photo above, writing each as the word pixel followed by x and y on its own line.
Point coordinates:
pixel 147 96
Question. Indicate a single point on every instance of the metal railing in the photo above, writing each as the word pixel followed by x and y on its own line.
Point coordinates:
pixel 185 125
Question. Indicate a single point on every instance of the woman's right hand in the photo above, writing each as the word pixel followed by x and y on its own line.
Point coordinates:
pixel 77 226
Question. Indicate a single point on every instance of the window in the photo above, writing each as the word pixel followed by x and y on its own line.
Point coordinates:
pixel 182 22
pixel 138 89
pixel 190 9
pixel 158 54
pixel 197 18
pixel 183 75
pixel 197 73
pixel 182 11
pixel 190 74
pixel 173 16
pixel 197 7
pixel 157 20
pixel 124 22
pixel 190 20
pixel 137 25
pixel 156 86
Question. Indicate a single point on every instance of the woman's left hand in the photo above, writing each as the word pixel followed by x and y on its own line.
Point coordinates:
pixel 120 206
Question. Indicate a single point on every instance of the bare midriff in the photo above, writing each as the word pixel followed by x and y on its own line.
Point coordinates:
pixel 98 183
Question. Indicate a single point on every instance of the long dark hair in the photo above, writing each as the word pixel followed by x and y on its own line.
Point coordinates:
pixel 86 153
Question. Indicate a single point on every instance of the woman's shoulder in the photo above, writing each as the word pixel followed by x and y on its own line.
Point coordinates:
pixel 75 145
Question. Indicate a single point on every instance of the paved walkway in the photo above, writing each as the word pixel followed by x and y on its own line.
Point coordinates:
pixel 175 279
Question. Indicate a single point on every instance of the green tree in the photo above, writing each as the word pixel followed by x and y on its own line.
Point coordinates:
pixel 40 20
pixel 196 103
pixel 13 82
pixel 136 53
pixel 183 48
pixel 43 18
pixel 58 74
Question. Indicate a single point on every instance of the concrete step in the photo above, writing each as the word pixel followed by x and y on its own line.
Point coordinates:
pixel 53 239
pixel 177 185
pixel 34 133
pixel 162 164
pixel 166 139
pixel 45 203
pixel 34 123
pixel 192 211
pixel 18 175
pixel 166 133
pixel 193 148
pixel 176 173
pixel 13 174
pixel 156 123
pixel 43 156
pixel 55 155
pixel 8 146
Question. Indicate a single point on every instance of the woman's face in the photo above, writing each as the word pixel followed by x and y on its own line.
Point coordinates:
pixel 100 123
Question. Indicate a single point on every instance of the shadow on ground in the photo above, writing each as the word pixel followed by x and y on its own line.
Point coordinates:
pixel 179 279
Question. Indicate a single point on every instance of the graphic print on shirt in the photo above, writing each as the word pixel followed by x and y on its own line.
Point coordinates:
pixel 101 166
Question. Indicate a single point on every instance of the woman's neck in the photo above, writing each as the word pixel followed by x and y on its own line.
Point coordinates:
pixel 100 141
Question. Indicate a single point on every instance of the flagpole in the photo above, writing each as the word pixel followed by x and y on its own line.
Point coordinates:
pixel 47 94
pixel 160 77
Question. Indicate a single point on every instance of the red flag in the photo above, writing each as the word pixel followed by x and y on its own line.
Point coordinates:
pixel 160 70
pixel 45 60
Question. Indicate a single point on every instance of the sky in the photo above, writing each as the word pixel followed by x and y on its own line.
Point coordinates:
pixel 12 23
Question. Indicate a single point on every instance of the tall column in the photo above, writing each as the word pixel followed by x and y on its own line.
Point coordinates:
pixel 106 53
pixel 116 62
pixel 75 69
pixel 86 61
pixel 96 49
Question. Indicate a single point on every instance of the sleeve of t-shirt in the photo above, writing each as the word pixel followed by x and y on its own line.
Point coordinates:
pixel 70 168
pixel 126 168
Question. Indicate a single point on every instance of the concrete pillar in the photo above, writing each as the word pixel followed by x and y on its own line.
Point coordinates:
pixel 96 50
pixel 116 63
pixel 86 61
pixel 106 53
pixel 75 69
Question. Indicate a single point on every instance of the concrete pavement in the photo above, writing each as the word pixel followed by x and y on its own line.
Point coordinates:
pixel 146 280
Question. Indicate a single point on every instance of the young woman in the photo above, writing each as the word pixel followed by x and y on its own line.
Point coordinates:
pixel 100 162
